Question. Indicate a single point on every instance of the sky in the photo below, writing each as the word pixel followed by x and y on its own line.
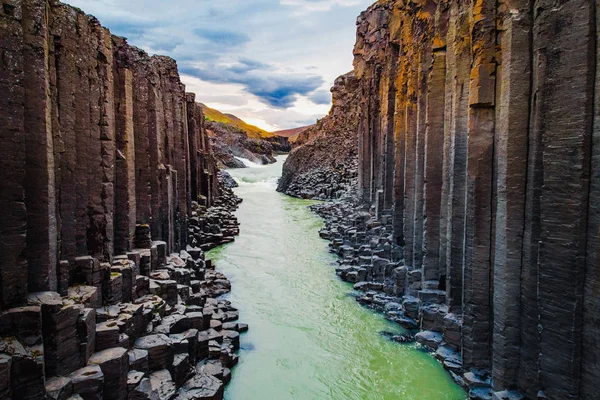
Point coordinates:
pixel 270 62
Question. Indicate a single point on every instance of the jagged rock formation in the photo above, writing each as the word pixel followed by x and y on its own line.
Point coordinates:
pixel 478 147
pixel 323 163
pixel 109 196
pixel 228 142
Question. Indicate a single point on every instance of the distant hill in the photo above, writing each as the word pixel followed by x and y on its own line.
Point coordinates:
pixel 253 132
pixel 291 133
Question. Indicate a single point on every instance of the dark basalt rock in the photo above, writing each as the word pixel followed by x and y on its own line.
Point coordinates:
pixel 201 386
pixel 114 364
pixel 138 360
pixel 59 388
pixel 88 382
pixel 162 383
pixel 159 348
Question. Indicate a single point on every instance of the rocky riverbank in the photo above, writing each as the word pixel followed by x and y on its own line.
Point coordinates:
pixel 149 325
pixel 362 237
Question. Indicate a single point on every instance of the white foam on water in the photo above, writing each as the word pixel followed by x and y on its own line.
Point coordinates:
pixel 248 163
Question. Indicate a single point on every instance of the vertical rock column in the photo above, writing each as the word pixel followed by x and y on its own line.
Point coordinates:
pixel 564 119
pixel 410 124
pixel 425 59
pixel 512 127
pixel 85 134
pixel 13 218
pixel 455 146
pixel 590 364
pixel 388 111
pixel 434 142
pixel 101 232
pixel 39 179
pixel 141 94
pixel 125 202
pixel 194 124
pixel 476 346
pixel 63 76
pixel 398 31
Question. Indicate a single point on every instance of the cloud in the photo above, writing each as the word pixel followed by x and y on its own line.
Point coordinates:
pixel 275 88
pixel 222 37
pixel 322 97
pixel 305 6
pixel 275 59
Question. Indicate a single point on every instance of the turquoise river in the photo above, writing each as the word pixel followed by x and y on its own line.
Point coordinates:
pixel 308 338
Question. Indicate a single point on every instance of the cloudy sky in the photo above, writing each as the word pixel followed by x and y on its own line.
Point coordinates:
pixel 270 62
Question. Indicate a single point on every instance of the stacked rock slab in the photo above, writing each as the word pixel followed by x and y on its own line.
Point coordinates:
pixel 478 135
pixel 105 162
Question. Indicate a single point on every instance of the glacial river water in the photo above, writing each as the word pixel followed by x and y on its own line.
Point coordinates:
pixel 308 338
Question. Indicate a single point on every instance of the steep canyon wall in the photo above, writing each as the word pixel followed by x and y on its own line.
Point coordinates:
pixel 478 132
pixel 96 137
pixel 323 162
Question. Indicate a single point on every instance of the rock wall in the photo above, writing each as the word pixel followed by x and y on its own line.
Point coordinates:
pixel 323 163
pixel 478 133
pixel 97 137
pixel 109 196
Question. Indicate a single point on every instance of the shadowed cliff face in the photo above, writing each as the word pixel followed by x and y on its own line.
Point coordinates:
pixel 476 132
pixel 323 162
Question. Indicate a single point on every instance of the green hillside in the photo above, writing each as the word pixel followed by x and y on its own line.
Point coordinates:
pixel 253 132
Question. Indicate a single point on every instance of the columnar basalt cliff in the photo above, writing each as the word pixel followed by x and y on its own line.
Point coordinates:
pixel 109 195
pixel 323 163
pixel 478 147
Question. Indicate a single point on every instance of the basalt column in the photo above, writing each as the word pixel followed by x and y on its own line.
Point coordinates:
pixel 434 152
pixel 125 214
pixel 512 127
pixel 13 220
pixel 563 116
pixel 476 346
pixel 39 178
pixel 590 367
pixel 455 164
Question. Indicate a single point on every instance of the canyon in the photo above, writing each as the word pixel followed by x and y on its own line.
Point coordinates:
pixel 478 171
pixel 458 172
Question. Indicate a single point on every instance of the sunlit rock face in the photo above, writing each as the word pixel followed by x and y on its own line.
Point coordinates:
pixel 476 133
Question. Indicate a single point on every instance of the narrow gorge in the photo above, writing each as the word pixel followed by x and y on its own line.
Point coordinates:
pixel 435 236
